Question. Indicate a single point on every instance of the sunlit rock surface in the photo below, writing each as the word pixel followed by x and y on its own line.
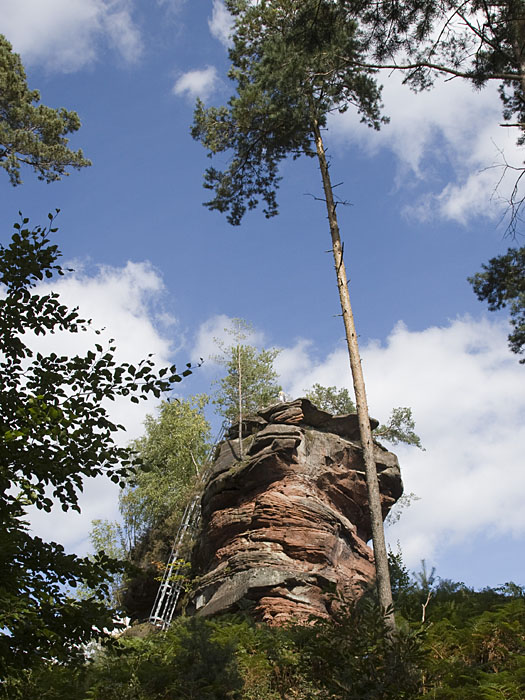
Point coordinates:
pixel 287 526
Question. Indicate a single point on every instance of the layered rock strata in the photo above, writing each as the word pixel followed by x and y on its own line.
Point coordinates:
pixel 287 526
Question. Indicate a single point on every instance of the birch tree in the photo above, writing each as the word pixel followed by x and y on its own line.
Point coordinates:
pixel 289 62
pixel 250 382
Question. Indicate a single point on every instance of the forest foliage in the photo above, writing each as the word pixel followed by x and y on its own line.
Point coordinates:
pixel 172 451
pixel 470 647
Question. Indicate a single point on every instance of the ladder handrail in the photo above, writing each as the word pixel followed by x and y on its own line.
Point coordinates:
pixel 170 589
pixel 167 583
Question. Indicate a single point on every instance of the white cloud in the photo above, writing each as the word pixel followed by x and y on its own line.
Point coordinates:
pixel 448 138
pixel 221 23
pixel 205 344
pixel 124 34
pixel 294 363
pixel 173 6
pixel 66 35
pixel 197 83
pixel 466 392
pixel 127 302
pixel 123 301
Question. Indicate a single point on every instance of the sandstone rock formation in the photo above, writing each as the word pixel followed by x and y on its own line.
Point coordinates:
pixel 287 526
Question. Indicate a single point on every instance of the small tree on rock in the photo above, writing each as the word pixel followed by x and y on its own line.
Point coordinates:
pixel 399 428
pixel 336 401
pixel 250 382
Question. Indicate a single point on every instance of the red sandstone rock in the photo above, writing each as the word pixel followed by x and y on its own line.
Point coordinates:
pixel 287 527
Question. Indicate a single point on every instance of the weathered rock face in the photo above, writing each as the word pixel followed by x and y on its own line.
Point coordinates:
pixel 288 525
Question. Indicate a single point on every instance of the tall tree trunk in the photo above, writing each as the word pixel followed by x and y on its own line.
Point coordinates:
pixel 374 497
pixel 239 373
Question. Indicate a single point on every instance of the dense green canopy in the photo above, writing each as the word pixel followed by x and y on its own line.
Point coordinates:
pixel 470 647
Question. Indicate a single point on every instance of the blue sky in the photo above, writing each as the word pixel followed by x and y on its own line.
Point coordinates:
pixel 165 275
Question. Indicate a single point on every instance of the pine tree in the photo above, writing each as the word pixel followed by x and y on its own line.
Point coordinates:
pixel 501 285
pixel 290 65
pixel 31 133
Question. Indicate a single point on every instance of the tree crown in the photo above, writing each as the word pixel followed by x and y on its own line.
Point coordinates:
pixel 290 66
pixel 258 379
pixel 31 133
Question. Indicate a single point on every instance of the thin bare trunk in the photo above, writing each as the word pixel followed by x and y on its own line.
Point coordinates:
pixel 374 497
pixel 424 606
pixel 194 462
pixel 239 373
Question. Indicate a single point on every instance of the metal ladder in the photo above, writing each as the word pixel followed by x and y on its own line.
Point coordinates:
pixel 171 585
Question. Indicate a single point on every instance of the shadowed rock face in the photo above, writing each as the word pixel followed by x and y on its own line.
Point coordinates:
pixel 287 526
